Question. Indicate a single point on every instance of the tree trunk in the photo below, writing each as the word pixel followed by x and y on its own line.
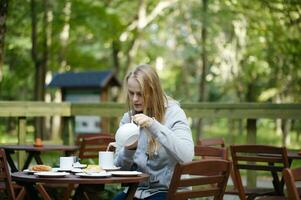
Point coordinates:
pixel 57 121
pixel 40 62
pixel 115 52
pixel 64 35
pixel 3 13
pixel 285 127
pixel 202 86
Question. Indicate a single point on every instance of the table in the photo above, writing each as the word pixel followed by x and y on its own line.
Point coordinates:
pixel 34 152
pixel 293 155
pixel 29 180
pixel 279 183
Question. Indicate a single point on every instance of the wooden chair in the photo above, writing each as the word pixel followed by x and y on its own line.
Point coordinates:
pixel 217 143
pixel 5 180
pixel 208 178
pixel 211 142
pixel 206 152
pixel 291 176
pixel 81 136
pixel 7 184
pixel 89 147
pixel 259 158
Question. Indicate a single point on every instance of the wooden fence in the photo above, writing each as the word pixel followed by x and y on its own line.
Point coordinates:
pixel 25 109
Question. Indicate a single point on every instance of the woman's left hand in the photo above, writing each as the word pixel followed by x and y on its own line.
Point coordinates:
pixel 142 120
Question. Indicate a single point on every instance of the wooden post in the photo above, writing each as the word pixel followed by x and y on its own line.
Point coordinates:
pixel 21 140
pixel 251 139
pixel 104 123
pixel 68 130
pixel 231 126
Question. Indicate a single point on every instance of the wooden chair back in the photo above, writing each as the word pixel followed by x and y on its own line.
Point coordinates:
pixel 219 142
pixel 259 158
pixel 208 152
pixel 5 177
pixel 81 136
pixel 291 176
pixel 89 147
pixel 208 178
pixel 5 180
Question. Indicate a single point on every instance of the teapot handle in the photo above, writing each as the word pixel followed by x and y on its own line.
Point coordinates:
pixel 132 121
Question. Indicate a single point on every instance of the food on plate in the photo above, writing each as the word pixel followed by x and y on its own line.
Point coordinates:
pixel 41 168
pixel 93 168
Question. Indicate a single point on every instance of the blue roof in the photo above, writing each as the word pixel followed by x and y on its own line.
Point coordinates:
pixel 98 79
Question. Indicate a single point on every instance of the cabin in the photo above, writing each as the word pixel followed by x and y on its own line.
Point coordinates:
pixel 87 87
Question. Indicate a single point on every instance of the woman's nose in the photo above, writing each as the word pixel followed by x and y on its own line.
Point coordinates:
pixel 135 97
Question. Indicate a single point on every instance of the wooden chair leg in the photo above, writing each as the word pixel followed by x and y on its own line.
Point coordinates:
pixel 21 194
pixel 68 191
pixel 43 192
pixel 232 175
pixel 86 196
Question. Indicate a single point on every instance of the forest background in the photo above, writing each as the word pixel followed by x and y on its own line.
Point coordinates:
pixel 204 51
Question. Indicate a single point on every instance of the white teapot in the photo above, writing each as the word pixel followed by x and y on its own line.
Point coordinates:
pixel 127 134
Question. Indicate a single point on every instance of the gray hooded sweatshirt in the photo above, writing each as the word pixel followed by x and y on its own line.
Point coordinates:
pixel 176 145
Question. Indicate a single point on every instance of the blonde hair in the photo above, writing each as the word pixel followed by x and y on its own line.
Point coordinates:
pixel 153 96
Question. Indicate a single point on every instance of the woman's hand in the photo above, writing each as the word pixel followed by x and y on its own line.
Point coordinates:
pixel 142 120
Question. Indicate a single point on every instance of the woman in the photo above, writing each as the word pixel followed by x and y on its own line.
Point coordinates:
pixel 165 136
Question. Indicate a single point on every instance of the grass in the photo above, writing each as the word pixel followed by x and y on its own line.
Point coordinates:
pixel 266 133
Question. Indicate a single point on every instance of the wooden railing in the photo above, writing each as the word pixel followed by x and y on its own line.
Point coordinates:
pixel 24 109
pixel 111 109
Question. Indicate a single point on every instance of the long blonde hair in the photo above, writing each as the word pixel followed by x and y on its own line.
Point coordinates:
pixel 153 96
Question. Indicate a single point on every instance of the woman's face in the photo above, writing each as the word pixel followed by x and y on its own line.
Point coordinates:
pixel 135 94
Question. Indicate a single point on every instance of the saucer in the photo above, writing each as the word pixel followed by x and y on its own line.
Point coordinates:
pixel 94 174
pixel 63 169
pixel 114 168
pixel 78 165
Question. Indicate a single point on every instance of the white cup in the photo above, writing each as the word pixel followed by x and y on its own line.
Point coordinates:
pixel 66 163
pixel 106 159
pixel 127 134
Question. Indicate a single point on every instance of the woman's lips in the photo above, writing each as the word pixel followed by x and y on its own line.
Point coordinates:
pixel 137 106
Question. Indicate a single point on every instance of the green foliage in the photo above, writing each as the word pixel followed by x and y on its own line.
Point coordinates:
pixel 253 48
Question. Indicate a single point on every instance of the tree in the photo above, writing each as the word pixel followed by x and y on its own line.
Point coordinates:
pixel 3 13
pixel 39 55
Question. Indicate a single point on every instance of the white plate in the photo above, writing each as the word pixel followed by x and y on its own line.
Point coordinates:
pixel 114 168
pixel 94 174
pixel 29 171
pixel 125 173
pixel 51 174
